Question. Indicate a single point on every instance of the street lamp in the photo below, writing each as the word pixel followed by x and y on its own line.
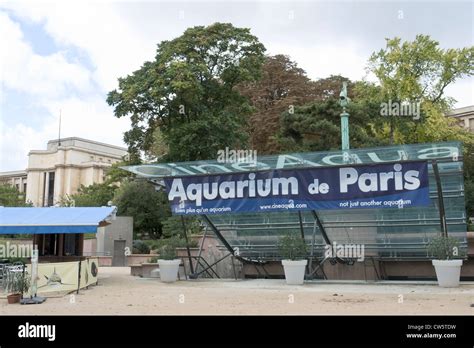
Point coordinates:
pixel 344 101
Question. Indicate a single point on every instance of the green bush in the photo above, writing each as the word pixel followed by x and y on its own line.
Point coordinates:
pixel 173 226
pixel 292 247
pixel 178 242
pixel 445 248
pixel 168 252
pixel 21 284
pixel 140 247
pixel 24 261
pixel 167 246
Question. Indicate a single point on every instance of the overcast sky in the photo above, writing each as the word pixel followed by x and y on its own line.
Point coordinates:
pixel 64 55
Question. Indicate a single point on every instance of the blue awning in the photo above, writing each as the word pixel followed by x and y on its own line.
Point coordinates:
pixel 53 220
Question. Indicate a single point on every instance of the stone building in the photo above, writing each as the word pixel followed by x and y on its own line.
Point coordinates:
pixel 62 168
pixel 465 117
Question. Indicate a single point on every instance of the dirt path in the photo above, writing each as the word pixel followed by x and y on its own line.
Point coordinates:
pixel 120 293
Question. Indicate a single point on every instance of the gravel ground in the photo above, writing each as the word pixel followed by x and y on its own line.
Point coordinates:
pixel 120 293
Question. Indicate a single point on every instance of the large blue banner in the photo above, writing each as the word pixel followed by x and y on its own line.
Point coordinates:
pixel 394 185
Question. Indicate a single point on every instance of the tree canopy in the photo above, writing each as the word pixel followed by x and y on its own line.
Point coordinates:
pixel 10 196
pixel 148 207
pixel 283 86
pixel 419 71
pixel 188 92
pixel 213 87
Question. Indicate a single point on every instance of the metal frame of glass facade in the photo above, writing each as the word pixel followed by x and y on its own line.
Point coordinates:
pixel 386 233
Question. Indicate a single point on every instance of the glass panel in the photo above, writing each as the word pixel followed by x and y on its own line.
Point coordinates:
pixel 385 233
pixel 445 151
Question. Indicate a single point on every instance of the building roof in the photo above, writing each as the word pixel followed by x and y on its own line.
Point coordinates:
pixel 462 112
pixel 78 139
pixel 16 220
pixel 14 173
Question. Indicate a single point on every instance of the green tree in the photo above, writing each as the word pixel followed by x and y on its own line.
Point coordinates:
pixel 419 71
pixel 148 207
pixel 173 226
pixel 95 195
pixel 10 196
pixel 188 93
pixel 99 194
pixel 316 126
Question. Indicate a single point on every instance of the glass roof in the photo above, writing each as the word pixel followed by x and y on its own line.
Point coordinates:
pixel 446 151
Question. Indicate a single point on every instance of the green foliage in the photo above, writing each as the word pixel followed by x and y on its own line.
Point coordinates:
pixel 99 194
pixel 173 226
pixel 114 174
pixel 445 248
pixel 188 93
pixel 140 247
pixel 420 71
pixel 10 196
pixel 20 284
pixel 148 207
pixel 292 247
pixel 168 252
pixel 316 126
pixel 24 261
pixel 154 259
pixel 95 195
pixel 176 240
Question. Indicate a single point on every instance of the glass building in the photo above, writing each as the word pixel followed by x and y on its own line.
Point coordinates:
pixel 386 233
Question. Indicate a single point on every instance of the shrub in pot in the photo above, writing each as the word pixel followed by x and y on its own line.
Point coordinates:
pixel 19 286
pixel 447 260
pixel 169 264
pixel 293 250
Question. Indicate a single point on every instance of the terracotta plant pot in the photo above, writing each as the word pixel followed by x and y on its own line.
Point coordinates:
pixel 13 298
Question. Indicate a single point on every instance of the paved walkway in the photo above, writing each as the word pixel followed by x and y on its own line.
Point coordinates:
pixel 120 293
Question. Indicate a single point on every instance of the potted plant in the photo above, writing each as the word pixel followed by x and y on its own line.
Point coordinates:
pixel 19 286
pixel 447 262
pixel 293 249
pixel 169 264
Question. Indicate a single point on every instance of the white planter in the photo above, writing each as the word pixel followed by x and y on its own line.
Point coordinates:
pixel 169 270
pixel 294 271
pixel 448 272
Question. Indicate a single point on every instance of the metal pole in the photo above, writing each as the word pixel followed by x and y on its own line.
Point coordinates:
pixel 321 227
pixel 218 234
pixel 200 249
pixel 301 224
pixel 345 130
pixel 212 264
pixel 439 189
pixel 187 246
pixel 79 278
pixel 302 235
pixel 313 240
